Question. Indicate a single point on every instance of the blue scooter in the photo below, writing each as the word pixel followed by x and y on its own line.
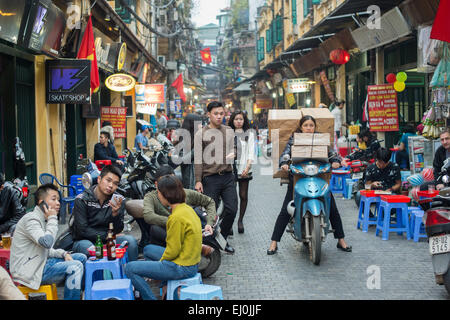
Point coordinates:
pixel 310 209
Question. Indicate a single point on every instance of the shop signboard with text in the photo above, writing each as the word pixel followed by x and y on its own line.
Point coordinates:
pixel 382 108
pixel 264 101
pixel 150 93
pixel 117 117
pixel 298 85
pixel 68 81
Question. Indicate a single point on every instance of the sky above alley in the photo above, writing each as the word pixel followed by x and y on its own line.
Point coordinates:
pixel 205 11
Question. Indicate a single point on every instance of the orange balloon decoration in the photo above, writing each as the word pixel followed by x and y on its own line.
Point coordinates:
pixel 339 56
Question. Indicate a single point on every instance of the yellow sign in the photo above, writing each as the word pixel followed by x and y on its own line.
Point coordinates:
pixel 120 82
pixel 122 56
pixel 290 99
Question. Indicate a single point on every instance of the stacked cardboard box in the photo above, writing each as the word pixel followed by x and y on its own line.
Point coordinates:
pixel 283 123
pixel 310 146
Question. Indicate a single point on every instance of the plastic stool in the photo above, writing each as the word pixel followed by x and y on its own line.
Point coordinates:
pixel 400 203
pixel 119 289
pixel 48 289
pixel 172 285
pixel 416 226
pixel 201 292
pixel 348 188
pixel 337 182
pixel 114 266
pixel 101 163
pixel 364 211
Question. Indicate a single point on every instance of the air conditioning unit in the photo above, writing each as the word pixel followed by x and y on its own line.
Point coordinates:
pixel 162 60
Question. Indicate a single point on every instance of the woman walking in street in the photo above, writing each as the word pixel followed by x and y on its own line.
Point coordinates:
pixel 244 144
pixel 307 125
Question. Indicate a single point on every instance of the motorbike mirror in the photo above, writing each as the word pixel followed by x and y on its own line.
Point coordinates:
pixel 445 192
pixel 445 179
pixel 286 157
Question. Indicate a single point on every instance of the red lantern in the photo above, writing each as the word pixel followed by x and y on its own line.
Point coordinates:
pixel 339 56
pixel 391 78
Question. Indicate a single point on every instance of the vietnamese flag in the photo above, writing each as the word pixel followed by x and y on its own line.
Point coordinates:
pixel 441 24
pixel 206 55
pixel 178 84
pixel 87 51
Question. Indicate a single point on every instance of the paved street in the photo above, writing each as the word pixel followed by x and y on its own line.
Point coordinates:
pixel 405 266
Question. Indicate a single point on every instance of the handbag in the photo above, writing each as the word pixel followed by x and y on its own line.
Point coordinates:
pixel 441 76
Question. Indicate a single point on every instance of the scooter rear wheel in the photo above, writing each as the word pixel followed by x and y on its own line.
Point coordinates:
pixel 316 240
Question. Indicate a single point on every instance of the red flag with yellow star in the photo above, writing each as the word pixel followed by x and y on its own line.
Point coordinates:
pixel 206 55
pixel 87 51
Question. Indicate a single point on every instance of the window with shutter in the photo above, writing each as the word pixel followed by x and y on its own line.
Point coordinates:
pixel 279 28
pixel 305 8
pixel 268 40
pixel 315 1
pixel 274 33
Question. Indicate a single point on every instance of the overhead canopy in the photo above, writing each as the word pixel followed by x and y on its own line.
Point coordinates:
pixel 244 86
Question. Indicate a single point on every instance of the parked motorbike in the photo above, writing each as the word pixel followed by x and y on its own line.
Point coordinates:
pixel 310 209
pixel 437 227
pixel 20 181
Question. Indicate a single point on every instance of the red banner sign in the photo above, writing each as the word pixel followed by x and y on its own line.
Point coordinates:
pixel 382 107
pixel 263 101
pixel 117 117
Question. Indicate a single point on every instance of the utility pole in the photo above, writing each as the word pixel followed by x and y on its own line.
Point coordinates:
pixel 172 48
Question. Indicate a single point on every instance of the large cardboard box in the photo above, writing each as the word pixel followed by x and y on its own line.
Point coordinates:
pixel 324 120
pixel 300 153
pixel 311 139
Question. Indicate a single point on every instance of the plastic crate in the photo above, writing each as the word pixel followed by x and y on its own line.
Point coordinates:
pixel 75 181
pixel 119 252
pixel 395 198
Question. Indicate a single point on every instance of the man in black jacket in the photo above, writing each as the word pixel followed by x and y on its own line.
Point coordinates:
pixel 442 153
pixel 95 209
pixel 11 210
pixel 105 150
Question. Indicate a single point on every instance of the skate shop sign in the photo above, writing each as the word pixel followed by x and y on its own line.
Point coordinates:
pixel 68 81
pixel 117 117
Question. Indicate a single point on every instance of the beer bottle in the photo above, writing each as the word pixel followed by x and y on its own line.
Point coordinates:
pixel 110 246
pixel 111 229
pixel 99 248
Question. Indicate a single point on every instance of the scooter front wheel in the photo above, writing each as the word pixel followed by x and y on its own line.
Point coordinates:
pixel 316 239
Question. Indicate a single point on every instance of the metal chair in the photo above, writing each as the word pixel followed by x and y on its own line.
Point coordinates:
pixel 45 178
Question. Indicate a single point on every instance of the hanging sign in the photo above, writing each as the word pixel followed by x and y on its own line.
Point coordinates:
pixel 263 101
pixel 68 81
pixel 117 117
pixel 147 108
pixel 151 93
pixel 122 56
pixel 120 82
pixel 326 85
pixel 383 109
pixel 298 85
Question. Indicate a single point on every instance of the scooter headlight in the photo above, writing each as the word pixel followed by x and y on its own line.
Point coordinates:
pixel 86 180
pixel 311 169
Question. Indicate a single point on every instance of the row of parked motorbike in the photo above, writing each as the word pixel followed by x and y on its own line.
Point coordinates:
pixel 137 180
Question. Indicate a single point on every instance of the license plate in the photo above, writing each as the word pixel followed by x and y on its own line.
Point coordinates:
pixel 221 240
pixel 440 244
pixel 358 175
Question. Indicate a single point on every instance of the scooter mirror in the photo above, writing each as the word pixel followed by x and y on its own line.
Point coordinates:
pixel 445 192
pixel 445 179
pixel 286 157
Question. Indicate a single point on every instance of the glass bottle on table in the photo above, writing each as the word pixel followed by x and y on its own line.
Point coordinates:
pixel 99 248
pixel 111 229
pixel 110 246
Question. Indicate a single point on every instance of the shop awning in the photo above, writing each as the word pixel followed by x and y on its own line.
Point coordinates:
pixel 245 86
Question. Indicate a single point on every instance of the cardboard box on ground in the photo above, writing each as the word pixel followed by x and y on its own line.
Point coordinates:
pixel 286 121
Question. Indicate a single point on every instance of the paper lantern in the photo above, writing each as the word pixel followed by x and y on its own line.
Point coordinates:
pixel 415 179
pixel 401 76
pixel 399 86
pixel 428 174
pixel 390 78
pixel 339 56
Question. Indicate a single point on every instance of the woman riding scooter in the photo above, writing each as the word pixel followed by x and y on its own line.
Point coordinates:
pixel 307 125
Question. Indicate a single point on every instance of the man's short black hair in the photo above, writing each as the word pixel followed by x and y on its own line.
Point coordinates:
pixel 111 169
pixel 214 104
pixel 164 171
pixel 106 134
pixel 42 191
pixel 383 154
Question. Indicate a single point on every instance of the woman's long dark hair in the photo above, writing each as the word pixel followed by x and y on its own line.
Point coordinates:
pixel 304 119
pixel 189 124
pixel 246 125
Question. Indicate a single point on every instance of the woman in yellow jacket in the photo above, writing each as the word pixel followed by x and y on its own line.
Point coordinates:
pixel 180 258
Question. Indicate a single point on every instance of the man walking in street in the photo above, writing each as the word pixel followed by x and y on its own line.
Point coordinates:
pixel 162 119
pixel 213 156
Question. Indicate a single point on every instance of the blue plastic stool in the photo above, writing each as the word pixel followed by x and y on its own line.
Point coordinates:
pixel 349 188
pixel 119 289
pixel 172 285
pixel 337 182
pixel 416 225
pixel 114 266
pixel 201 292
pixel 364 212
pixel 384 219
pixel 75 181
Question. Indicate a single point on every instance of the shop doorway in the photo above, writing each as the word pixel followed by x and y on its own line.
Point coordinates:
pixel 76 137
